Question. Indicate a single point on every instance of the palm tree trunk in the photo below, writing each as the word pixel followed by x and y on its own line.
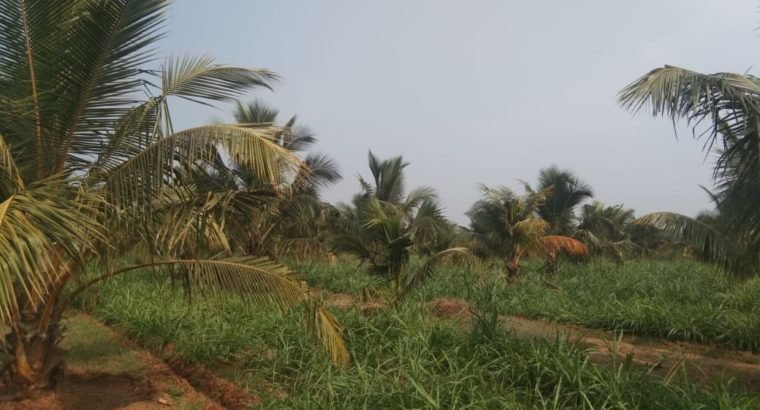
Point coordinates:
pixel 33 359
pixel 513 267
pixel 551 263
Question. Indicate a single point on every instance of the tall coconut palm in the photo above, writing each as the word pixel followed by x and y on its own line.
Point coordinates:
pixel 724 109
pixel 567 192
pixel 89 172
pixel 508 226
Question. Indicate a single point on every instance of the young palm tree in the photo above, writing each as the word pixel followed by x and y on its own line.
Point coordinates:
pixel 726 108
pixel 508 226
pixel 89 172
pixel 295 224
pixel 421 207
pixel 605 230
pixel 567 192
pixel 604 221
pixel 383 226
pixel 381 234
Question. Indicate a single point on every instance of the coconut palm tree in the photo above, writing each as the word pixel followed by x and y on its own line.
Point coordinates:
pixel 724 110
pixel 90 172
pixel 421 207
pixel 567 192
pixel 383 226
pixel 381 233
pixel 605 221
pixel 605 230
pixel 508 226
pixel 294 224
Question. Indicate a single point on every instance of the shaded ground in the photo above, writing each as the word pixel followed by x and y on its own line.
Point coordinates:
pixel 107 372
pixel 703 364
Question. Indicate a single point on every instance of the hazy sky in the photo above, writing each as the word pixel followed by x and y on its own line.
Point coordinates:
pixel 481 91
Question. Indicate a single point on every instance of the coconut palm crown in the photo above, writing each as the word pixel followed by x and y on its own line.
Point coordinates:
pixel 724 111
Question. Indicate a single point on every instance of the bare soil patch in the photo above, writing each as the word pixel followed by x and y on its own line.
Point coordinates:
pixel 107 372
pixel 230 395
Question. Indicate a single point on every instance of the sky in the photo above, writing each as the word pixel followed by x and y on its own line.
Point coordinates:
pixel 480 92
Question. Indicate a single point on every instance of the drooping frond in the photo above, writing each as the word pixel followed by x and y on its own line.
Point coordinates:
pixel 681 93
pixel 188 222
pixel 426 271
pixel 255 280
pixel 328 331
pixel 724 110
pixel 10 177
pixel 710 244
pixel 38 227
pixel 144 174
pixel 258 280
pixel 554 244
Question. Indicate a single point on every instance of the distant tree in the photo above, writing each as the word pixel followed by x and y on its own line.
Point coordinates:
pixel 382 226
pixel 565 192
pixel 296 223
pixel 605 230
pixel 508 226
pixel 421 207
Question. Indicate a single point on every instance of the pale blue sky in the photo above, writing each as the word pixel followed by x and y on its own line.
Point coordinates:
pixel 480 91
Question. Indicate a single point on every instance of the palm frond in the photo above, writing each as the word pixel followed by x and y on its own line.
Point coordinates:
pixel 428 268
pixel 328 331
pixel 554 244
pixel 143 175
pixel 198 79
pixel 531 227
pixel 726 104
pixel 255 112
pixel 255 280
pixel 137 129
pixel 10 177
pixel 711 244
pixel 319 171
pixel 39 227
pixel 416 197
pixel 92 83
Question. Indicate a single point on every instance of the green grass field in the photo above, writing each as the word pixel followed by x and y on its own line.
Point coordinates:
pixel 675 299
pixel 407 358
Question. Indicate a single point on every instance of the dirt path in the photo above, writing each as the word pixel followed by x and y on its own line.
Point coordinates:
pixel 107 372
pixel 703 364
